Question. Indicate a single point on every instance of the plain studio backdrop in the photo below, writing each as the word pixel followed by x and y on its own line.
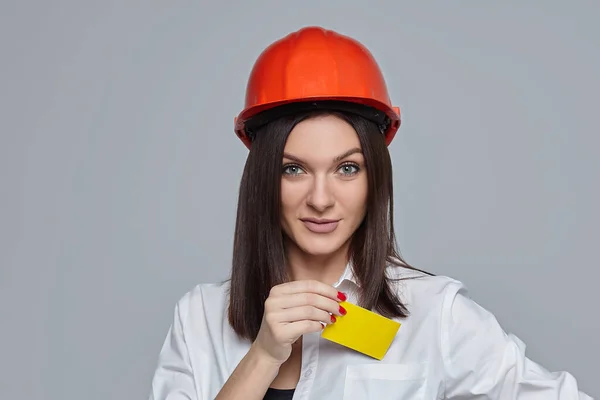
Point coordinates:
pixel 119 169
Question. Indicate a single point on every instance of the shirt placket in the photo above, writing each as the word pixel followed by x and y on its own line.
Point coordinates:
pixel 310 359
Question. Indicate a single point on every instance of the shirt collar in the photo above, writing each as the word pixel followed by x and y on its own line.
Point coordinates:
pixel 347 275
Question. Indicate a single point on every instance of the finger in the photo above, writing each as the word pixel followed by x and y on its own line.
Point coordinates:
pixel 303 313
pixel 308 286
pixel 299 328
pixel 308 299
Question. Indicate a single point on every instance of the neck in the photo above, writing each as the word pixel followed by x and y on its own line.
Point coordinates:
pixel 324 268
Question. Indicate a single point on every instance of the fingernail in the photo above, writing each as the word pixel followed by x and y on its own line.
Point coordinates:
pixel 332 319
pixel 341 296
pixel 342 310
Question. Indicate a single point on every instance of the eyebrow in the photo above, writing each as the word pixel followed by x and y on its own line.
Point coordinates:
pixel 335 159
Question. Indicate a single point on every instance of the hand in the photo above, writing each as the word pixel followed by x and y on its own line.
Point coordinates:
pixel 292 310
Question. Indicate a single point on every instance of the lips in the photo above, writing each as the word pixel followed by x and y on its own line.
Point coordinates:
pixel 317 225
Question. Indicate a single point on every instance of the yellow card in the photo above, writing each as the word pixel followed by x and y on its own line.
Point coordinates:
pixel 362 330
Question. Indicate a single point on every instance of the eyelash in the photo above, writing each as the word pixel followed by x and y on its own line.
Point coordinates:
pixel 350 164
pixel 285 167
pixel 346 164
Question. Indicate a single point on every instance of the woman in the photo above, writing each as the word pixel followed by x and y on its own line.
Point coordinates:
pixel 314 228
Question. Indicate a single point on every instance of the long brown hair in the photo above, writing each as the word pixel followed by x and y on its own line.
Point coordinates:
pixel 259 261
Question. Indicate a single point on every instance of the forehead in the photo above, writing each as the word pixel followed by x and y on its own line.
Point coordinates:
pixel 321 136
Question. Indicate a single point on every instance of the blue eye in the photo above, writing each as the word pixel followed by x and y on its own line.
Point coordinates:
pixel 349 169
pixel 292 170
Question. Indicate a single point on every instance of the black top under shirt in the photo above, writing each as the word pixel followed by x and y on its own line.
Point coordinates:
pixel 279 394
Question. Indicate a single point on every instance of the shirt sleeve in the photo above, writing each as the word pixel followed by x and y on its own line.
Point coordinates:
pixel 481 361
pixel 174 378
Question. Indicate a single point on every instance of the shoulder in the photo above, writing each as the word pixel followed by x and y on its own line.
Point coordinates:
pixel 442 298
pixel 416 287
pixel 438 297
pixel 205 300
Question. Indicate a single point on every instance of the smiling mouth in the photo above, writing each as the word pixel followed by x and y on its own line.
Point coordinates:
pixel 320 225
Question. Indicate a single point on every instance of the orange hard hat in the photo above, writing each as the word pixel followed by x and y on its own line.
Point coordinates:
pixel 315 68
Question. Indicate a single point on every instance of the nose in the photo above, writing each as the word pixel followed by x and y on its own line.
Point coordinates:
pixel 321 195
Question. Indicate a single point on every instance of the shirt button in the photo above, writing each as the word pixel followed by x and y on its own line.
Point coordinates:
pixel 308 373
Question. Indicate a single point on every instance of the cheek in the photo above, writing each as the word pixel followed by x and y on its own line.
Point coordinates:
pixel 355 198
pixel 358 207
pixel 291 197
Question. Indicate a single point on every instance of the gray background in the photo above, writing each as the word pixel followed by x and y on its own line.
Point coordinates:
pixel 119 169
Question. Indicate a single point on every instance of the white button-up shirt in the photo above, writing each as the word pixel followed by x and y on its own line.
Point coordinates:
pixel 448 348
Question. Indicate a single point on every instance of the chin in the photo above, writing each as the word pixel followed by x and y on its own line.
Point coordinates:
pixel 320 246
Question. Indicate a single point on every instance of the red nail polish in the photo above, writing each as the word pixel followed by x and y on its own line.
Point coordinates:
pixel 342 310
pixel 341 296
pixel 332 319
